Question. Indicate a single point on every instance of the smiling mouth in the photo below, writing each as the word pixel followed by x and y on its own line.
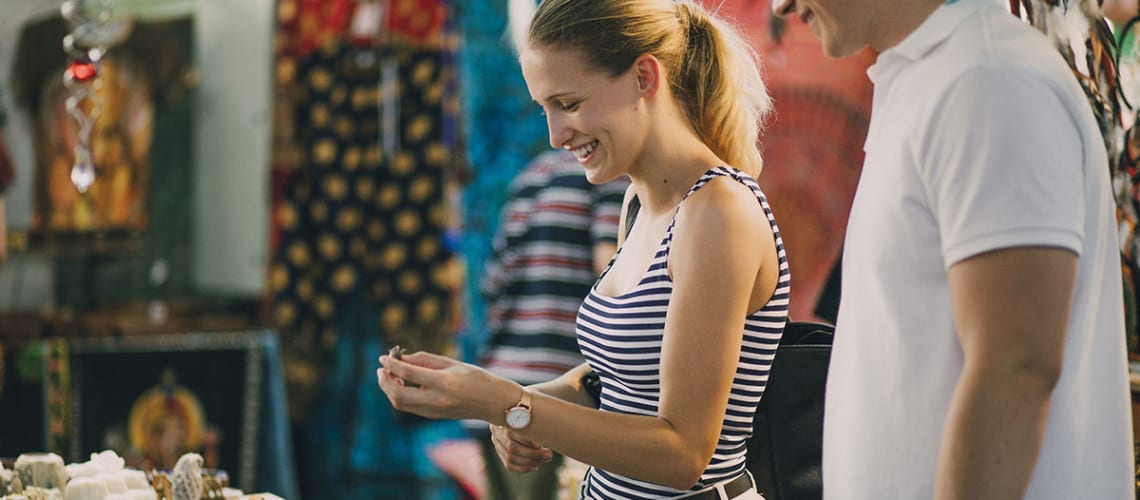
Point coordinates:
pixel 583 152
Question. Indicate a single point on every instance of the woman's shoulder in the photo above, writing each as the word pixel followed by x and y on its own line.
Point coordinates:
pixel 722 203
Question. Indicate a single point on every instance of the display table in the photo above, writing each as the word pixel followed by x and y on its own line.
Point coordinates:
pixel 153 397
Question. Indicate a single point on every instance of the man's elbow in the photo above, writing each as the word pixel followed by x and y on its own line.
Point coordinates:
pixel 1042 374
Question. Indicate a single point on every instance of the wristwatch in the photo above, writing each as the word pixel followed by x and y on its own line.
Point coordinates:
pixel 518 416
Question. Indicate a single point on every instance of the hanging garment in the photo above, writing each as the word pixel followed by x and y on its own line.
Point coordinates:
pixel 366 209
pixel 504 131
pixel 362 265
pixel 415 21
pixel 7 171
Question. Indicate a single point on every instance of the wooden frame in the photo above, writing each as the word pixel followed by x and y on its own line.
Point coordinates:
pixel 153 398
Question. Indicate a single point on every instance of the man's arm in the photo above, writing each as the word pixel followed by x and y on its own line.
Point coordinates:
pixel 1011 311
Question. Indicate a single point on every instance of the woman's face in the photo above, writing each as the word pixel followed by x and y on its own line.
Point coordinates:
pixel 597 118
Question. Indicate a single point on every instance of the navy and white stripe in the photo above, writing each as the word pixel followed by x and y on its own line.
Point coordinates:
pixel 621 339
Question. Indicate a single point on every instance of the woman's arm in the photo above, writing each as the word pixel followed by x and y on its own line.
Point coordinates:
pixel 715 262
pixel 568 387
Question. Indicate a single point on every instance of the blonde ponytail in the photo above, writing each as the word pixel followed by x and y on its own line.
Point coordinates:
pixel 720 87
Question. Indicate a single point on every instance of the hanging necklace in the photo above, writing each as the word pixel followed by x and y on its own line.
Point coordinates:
pixel 93 29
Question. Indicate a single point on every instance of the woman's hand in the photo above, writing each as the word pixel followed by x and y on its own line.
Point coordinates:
pixel 445 388
pixel 518 453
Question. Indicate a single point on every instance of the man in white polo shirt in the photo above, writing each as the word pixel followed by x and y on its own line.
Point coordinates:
pixel 979 348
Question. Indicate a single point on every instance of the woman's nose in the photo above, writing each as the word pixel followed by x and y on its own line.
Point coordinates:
pixel 560 134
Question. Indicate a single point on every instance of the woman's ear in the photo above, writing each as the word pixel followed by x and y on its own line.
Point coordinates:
pixel 648 70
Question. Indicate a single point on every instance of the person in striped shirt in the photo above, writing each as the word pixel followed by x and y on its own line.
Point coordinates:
pixel 556 233
pixel 683 324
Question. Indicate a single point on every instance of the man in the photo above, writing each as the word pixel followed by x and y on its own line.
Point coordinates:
pixel 558 232
pixel 980 345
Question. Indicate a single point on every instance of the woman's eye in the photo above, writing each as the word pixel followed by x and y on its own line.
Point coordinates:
pixel 571 106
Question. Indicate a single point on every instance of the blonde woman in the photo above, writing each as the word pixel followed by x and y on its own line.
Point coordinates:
pixel 683 325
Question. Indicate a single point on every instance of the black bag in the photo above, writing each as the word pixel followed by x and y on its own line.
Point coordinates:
pixel 785 451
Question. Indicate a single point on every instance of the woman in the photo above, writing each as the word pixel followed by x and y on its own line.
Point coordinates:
pixel 683 324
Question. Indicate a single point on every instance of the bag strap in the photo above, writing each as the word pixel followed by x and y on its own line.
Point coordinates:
pixel 631 214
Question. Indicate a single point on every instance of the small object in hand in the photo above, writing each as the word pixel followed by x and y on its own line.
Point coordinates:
pixel 397 352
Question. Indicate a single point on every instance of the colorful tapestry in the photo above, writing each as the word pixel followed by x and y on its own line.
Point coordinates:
pixel 366 208
pixel 504 131
pixel 364 262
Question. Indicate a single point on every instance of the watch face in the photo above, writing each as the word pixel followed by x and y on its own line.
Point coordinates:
pixel 518 417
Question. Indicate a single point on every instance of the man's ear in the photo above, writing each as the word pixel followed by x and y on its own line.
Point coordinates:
pixel 648 70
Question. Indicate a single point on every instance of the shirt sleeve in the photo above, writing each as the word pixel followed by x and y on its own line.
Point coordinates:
pixel 1003 164
pixel 511 231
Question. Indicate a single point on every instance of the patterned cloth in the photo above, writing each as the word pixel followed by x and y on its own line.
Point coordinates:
pixel 504 131
pixel 7 171
pixel 353 444
pixel 362 264
pixel 367 209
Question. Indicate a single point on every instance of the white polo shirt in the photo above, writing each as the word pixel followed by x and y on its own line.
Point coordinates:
pixel 980 139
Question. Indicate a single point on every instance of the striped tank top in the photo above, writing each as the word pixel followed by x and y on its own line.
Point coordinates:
pixel 621 339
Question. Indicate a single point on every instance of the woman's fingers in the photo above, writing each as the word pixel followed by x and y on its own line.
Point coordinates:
pixel 417 368
pixel 518 454
pixel 429 360
pixel 410 398
pixel 407 369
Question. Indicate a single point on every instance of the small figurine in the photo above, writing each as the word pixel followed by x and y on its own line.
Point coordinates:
pixel 187 477
pixel 16 487
pixel 214 488
pixel 161 484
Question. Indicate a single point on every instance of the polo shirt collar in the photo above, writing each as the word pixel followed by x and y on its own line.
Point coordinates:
pixel 933 31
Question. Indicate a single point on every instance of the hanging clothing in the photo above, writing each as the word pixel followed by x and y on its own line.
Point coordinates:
pixel 7 171
pixel 415 21
pixel 362 264
pixel 352 443
pixel 366 209
pixel 505 131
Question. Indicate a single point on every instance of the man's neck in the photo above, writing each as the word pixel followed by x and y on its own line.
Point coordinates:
pixel 900 18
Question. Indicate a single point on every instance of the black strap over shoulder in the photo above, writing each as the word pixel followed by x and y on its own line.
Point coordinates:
pixel 631 214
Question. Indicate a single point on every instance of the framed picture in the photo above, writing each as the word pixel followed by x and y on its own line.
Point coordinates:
pixel 152 399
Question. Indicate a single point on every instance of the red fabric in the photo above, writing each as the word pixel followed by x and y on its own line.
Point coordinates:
pixel 813 145
pixel 7 172
pixel 417 21
pixel 306 24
